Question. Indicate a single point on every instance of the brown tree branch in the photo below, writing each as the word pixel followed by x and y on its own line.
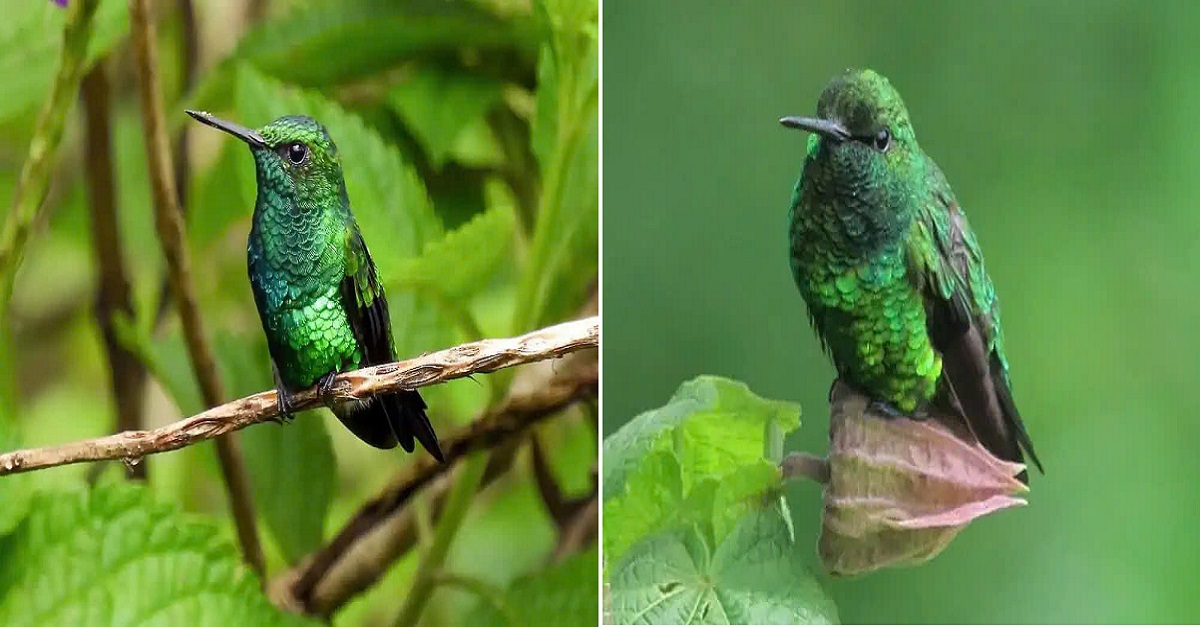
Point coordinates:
pixel 168 220
pixel 384 529
pixel 113 294
pixel 453 363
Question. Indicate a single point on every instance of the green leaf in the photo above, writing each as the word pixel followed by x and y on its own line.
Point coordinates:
pixel 31 36
pixel 711 402
pixel 335 42
pixel 112 557
pixel 291 467
pixel 564 252
pixel 438 106
pixel 756 575
pixel 464 260
pixel 651 501
pixel 388 199
pixel 564 594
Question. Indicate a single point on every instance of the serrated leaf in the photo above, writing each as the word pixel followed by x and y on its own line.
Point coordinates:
pixel 650 501
pixel 334 42
pixel 438 106
pixel 756 575
pixel 387 198
pixel 291 467
pixel 112 557
pixel 564 595
pixel 30 40
pixel 462 261
pixel 715 400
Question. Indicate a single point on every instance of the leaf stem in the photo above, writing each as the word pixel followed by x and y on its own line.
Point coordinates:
pixel 453 515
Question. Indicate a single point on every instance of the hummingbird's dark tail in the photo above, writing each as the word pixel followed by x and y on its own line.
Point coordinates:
pixel 386 420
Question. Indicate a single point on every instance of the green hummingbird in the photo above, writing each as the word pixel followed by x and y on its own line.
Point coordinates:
pixel 891 272
pixel 318 294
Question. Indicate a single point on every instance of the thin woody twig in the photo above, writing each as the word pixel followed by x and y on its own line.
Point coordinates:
pixel 384 529
pixel 453 363
pixel 168 221
pixel 113 294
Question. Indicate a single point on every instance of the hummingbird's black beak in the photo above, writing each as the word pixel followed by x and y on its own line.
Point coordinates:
pixel 824 128
pixel 250 136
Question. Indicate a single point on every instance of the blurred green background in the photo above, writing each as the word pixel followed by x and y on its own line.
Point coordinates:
pixel 1066 132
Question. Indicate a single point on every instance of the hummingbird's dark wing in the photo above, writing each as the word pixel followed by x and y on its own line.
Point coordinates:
pixel 401 414
pixel 963 317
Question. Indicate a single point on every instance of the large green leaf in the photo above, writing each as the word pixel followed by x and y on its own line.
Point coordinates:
pixel 112 557
pixel 755 575
pixel 333 42
pixel 438 106
pixel 563 595
pixel 388 199
pixel 692 516
pixel 717 414
pixel 30 39
pixel 464 260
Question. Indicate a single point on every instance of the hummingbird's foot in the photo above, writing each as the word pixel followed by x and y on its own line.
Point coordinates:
pixel 286 406
pixel 325 388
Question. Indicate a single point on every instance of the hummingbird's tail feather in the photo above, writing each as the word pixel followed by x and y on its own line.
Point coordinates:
pixel 391 419
pixel 406 412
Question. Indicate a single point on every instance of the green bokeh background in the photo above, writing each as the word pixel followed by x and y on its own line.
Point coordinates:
pixel 1069 135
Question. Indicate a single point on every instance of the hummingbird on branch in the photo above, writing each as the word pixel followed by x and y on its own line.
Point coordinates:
pixel 317 291
pixel 891 272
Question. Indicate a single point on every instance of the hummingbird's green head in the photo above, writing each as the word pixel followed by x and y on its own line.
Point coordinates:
pixel 862 139
pixel 294 156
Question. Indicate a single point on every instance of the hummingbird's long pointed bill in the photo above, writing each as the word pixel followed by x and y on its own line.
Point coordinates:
pixel 250 136
pixel 824 128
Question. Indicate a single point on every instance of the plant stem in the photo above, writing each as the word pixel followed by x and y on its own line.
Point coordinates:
pixel 113 294
pixel 168 220
pixel 455 511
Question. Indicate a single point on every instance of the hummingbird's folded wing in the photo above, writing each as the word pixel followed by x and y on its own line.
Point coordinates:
pixel 963 316
pixel 365 303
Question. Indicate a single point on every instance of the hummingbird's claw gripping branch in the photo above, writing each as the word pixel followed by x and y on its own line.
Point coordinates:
pixel 452 363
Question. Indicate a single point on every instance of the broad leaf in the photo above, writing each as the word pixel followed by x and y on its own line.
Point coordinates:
pixel 756 575
pixel 333 42
pixel 112 557
pixel 720 408
pixel 31 37
pixel 438 106
pixel 464 260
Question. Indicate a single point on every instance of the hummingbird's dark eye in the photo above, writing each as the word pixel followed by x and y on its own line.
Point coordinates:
pixel 883 139
pixel 296 152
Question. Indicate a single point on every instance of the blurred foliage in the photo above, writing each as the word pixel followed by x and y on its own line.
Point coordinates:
pixel 1064 133
pixel 468 134
pixel 695 529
